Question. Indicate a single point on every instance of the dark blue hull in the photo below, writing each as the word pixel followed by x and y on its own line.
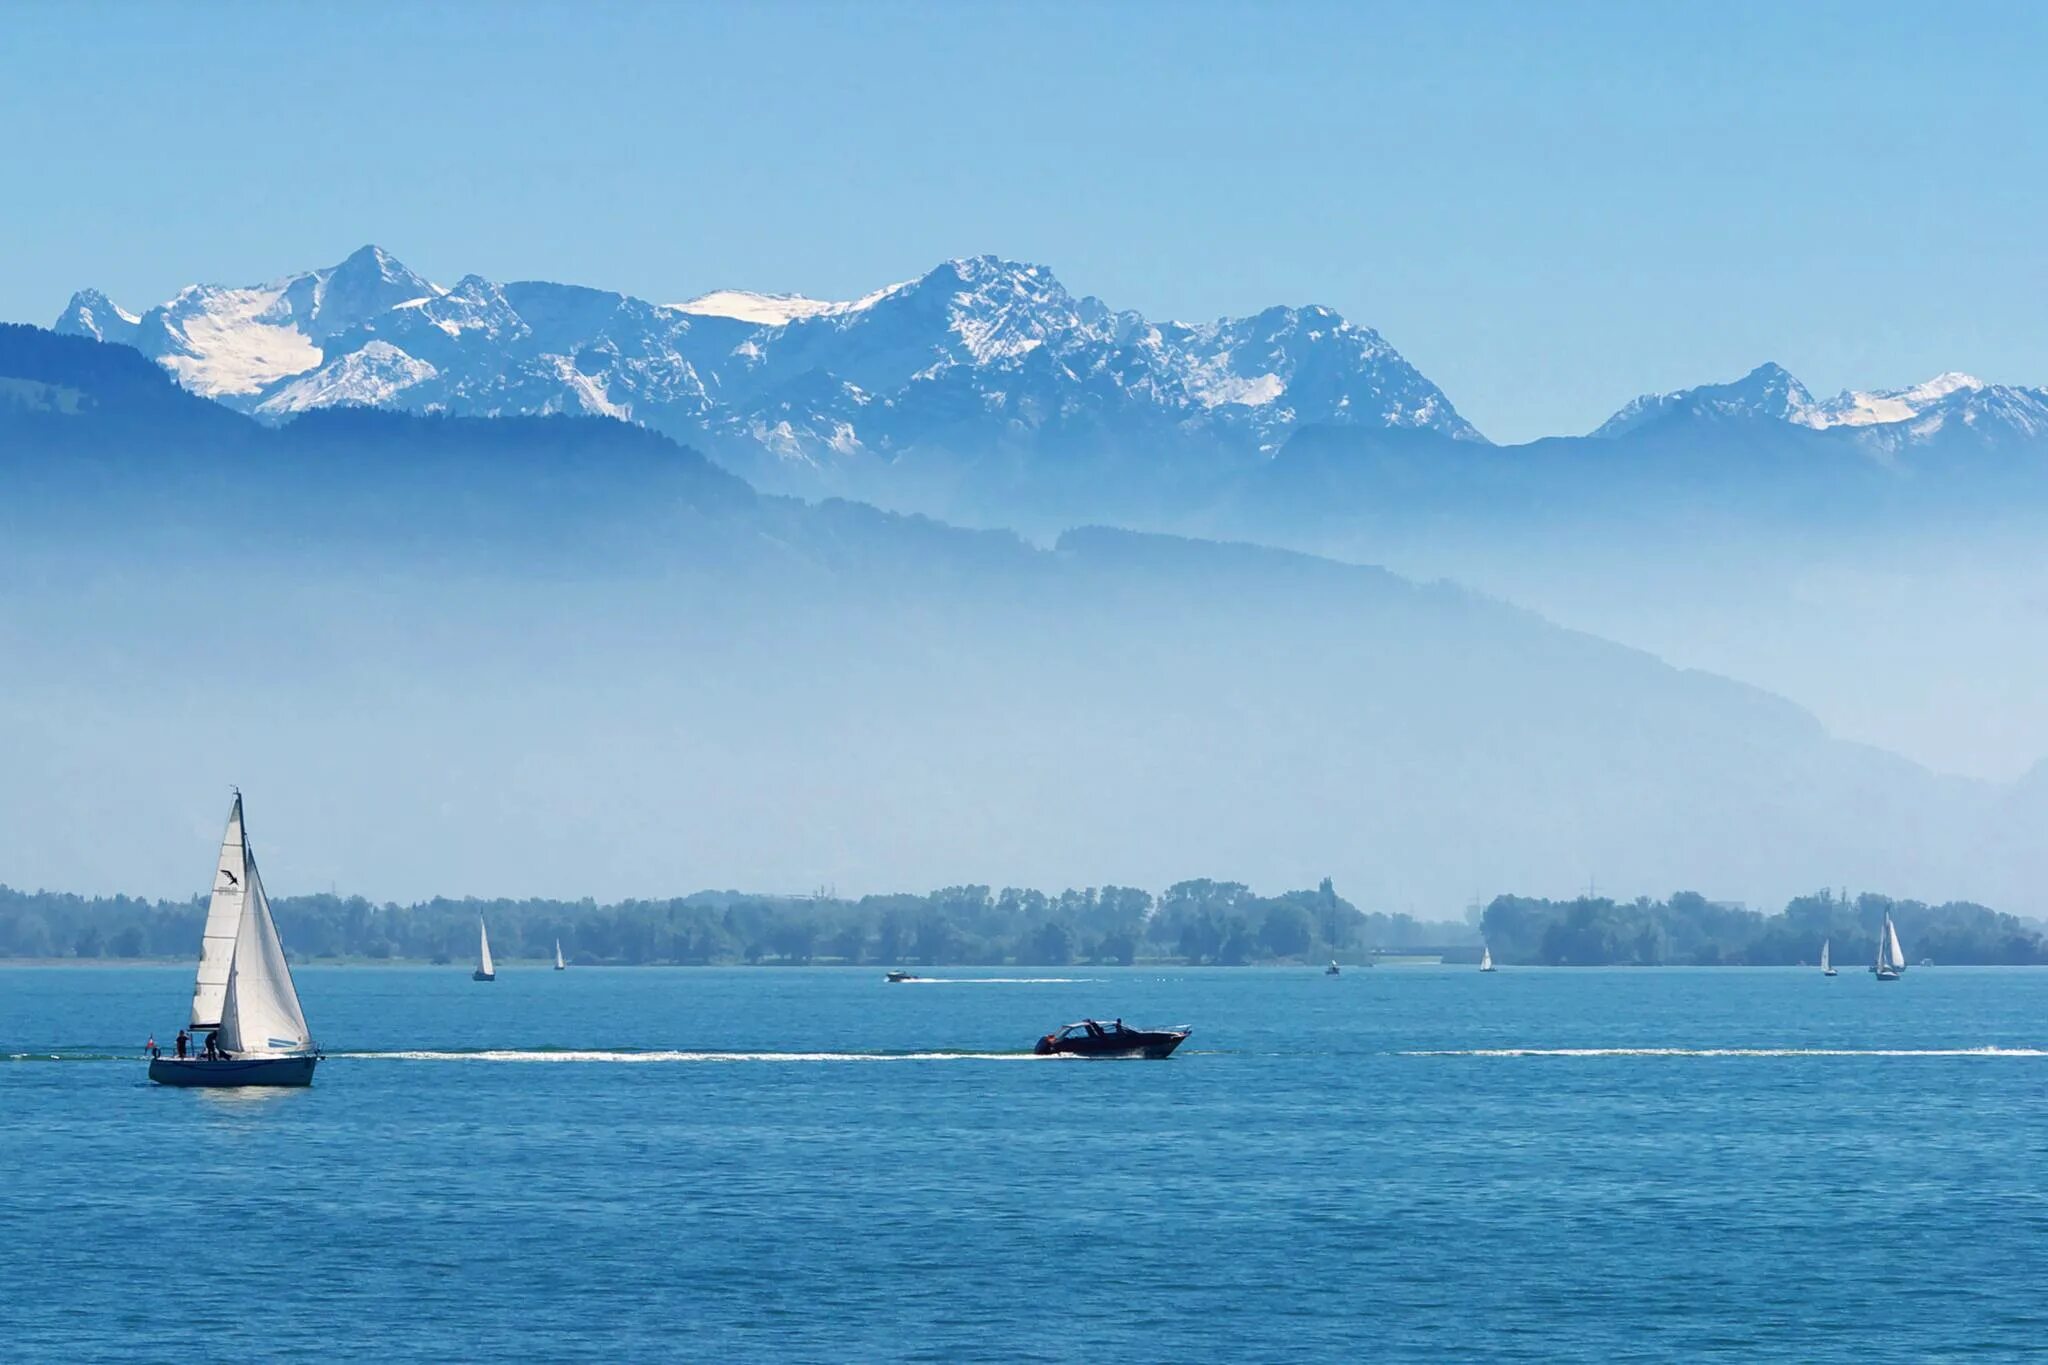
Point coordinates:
pixel 233 1071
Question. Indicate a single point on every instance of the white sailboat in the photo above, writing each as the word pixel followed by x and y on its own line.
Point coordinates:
pixel 560 965
pixel 1825 969
pixel 485 969
pixel 1485 958
pixel 243 996
pixel 1891 958
pixel 1333 969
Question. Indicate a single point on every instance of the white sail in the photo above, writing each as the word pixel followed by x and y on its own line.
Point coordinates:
pixel 483 950
pixel 1893 952
pixel 559 964
pixel 1486 959
pixel 1823 954
pixel 223 918
pixel 262 1013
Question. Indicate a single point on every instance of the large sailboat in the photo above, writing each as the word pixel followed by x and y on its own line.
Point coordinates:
pixel 1891 958
pixel 485 970
pixel 243 998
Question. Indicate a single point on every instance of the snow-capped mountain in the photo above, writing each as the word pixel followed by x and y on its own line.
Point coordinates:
pixel 1951 406
pixel 1766 391
pixel 979 355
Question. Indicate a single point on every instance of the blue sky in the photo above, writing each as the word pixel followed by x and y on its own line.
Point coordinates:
pixel 1548 208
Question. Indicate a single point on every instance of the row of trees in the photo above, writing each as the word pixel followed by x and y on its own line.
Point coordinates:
pixel 1688 929
pixel 1202 921
pixel 1199 921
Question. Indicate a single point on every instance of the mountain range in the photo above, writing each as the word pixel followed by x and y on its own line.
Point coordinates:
pixel 559 655
pixel 985 392
pixel 979 354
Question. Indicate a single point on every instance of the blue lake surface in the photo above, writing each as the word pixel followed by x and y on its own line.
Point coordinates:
pixel 773 1164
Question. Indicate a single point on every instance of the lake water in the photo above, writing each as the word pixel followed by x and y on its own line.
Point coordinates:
pixel 810 1164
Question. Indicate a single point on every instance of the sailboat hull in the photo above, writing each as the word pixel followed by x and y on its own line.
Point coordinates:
pixel 234 1071
pixel 483 976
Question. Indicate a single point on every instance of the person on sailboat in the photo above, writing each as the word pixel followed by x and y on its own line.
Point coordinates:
pixel 213 1046
pixel 184 1041
pixel 153 1050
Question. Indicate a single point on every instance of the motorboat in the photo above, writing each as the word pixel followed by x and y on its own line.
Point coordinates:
pixel 899 978
pixel 1092 1038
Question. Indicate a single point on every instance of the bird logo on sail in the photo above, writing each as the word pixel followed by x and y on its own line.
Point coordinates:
pixel 233 880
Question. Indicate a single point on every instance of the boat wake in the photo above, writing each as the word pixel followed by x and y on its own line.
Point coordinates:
pixel 1728 1052
pixel 627 1056
pixel 997 980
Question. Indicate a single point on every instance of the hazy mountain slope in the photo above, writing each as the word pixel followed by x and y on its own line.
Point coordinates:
pixel 565 656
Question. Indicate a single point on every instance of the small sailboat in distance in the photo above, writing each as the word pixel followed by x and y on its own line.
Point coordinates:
pixel 1825 969
pixel 560 965
pixel 1891 958
pixel 1333 969
pixel 1485 958
pixel 243 998
pixel 485 971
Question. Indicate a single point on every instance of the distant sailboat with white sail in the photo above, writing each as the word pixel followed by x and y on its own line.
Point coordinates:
pixel 560 965
pixel 1485 958
pixel 1891 958
pixel 243 996
pixel 485 969
pixel 1825 969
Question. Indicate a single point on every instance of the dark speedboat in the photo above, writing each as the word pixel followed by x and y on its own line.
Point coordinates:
pixel 1090 1038
pixel 898 978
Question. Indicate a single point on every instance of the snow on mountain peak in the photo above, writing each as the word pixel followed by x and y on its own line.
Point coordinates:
pixel 1768 391
pixel 1882 406
pixel 766 310
pixel 91 313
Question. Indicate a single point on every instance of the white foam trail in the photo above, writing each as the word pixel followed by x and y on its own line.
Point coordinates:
pixel 1729 1052
pixel 592 1055
pixel 997 980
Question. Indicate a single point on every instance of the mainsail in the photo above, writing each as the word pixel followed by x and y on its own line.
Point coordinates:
pixel 223 918
pixel 262 1013
pixel 1486 959
pixel 559 964
pixel 483 950
pixel 1823 954
pixel 1894 954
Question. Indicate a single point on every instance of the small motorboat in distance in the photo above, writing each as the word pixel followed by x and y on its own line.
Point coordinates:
pixel 900 977
pixel 1333 969
pixel 1090 1038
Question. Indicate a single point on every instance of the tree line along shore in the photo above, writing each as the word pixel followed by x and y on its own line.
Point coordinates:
pixel 1198 922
